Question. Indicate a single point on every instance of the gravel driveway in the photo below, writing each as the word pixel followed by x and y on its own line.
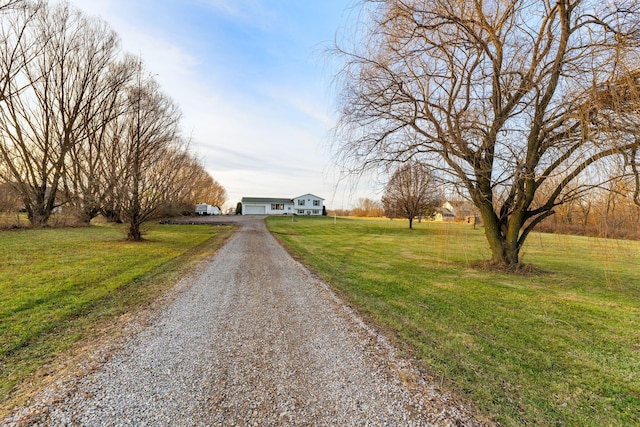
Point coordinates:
pixel 253 338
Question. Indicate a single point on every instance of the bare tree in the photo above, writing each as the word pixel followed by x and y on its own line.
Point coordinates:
pixel 367 208
pixel 503 96
pixel 208 189
pixel 7 5
pixel 41 120
pixel 14 56
pixel 17 17
pixel 153 150
pixel 411 192
pixel 196 185
pixel 215 192
pixel 115 157
pixel 95 163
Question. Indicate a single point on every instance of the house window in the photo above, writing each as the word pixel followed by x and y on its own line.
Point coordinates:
pixel 316 203
pixel 301 211
pixel 316 212
pixel 277 207
pixel 300 202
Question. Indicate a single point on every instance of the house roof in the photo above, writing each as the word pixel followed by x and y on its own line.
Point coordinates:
pixel 308 194
pixel 266 200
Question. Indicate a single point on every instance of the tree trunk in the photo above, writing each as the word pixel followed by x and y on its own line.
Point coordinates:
pixel 505 248
pixel 134 234
pixel 112 215
pixel 86 215
pixel 134 219
pixel 37 210
pixel 37 218
pixel 504 252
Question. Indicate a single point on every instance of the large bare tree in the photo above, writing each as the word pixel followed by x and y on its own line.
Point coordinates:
pixel 412 191
pixel 153 150
pixel 505 97
pixel 95 163
pixel 47 99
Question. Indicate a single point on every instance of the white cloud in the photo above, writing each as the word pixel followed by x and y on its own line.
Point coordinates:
pixel 252 12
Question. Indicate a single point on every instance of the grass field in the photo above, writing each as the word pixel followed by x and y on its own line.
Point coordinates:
pixel 561 347
pixel 58 285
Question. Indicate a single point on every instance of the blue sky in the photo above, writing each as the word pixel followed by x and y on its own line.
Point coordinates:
pixel 254 83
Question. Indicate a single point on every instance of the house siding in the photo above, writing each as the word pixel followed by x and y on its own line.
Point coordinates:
pixel 308 204
pixel 266 206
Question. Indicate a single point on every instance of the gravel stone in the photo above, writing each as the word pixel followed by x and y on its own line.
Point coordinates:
pixel 252 339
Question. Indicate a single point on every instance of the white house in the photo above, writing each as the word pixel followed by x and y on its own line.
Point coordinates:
pixel 307 204
pixel 457 210
pixel 446 212
pixel 266 206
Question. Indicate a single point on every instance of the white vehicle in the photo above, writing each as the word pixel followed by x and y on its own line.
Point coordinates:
pixel 206 209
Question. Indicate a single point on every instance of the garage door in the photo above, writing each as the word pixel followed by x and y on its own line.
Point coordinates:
pixel 254 210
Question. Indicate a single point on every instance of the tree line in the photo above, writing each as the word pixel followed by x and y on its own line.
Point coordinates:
pixel 606 212
pixel 85 126
pixel 413 191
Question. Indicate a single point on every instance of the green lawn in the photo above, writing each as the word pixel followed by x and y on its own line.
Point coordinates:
pixel 58 285
pixel 557 348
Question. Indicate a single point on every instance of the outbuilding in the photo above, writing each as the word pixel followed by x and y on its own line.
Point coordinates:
pixel 207 209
